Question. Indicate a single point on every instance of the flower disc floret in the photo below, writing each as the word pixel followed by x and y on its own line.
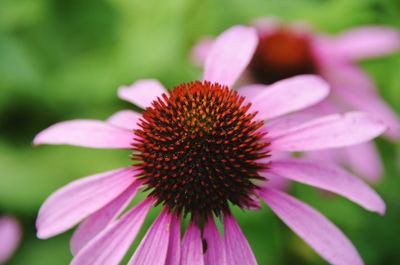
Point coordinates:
pixel 200 149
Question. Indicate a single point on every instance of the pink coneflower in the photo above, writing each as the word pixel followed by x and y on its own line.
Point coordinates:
pixel 10 236
pixel 201 149
pixel 288 50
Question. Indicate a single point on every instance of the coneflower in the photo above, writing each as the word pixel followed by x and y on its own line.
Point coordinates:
pixel 201 149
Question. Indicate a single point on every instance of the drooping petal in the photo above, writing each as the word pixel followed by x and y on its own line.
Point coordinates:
pixel 330 132
pixel 364 160
pixel 142 92
pixel 126 119
pixel 110 246
pixel 230 55
pixel 174 246
pixel 215 252
pixel 99 220
pixel 192 247
pixel 331 178
pixel 366 42
pixel 87 133
pixel 317 231
pixel 153 248
pixel 289 95
pixel 74 202
pixel 237 248
pixel 10 236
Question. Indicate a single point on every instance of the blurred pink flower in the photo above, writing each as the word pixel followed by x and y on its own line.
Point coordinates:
pixel 199 148
pixel 288 50
pixel 10 236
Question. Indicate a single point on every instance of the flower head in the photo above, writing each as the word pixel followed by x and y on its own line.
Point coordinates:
pixel 201 148
pixel 288 50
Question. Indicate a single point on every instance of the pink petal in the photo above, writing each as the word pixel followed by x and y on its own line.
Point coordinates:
pixel 377 107
pixel 329 132
pixel 357 90
pixel 282 125
pixel 364 160
pixel 110 246
pixel 335 156
pixel 201 50
pixel 317 231
pixel 331 178
pixel 153 248
pixel 87 133
pixel 340 73
pixel 304 91
pixel 10 236
pixel 215 253
pixel 142 93
pixel 99 220
pixel 74 202
pixel 238 251
pixel 230 55
pixel 174 246
pixel 252 91
pixel 366 42
pixel 125 119
pixel 275 182
pixel 192 247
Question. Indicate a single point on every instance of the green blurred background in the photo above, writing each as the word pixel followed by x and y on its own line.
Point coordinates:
pixel 64 59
